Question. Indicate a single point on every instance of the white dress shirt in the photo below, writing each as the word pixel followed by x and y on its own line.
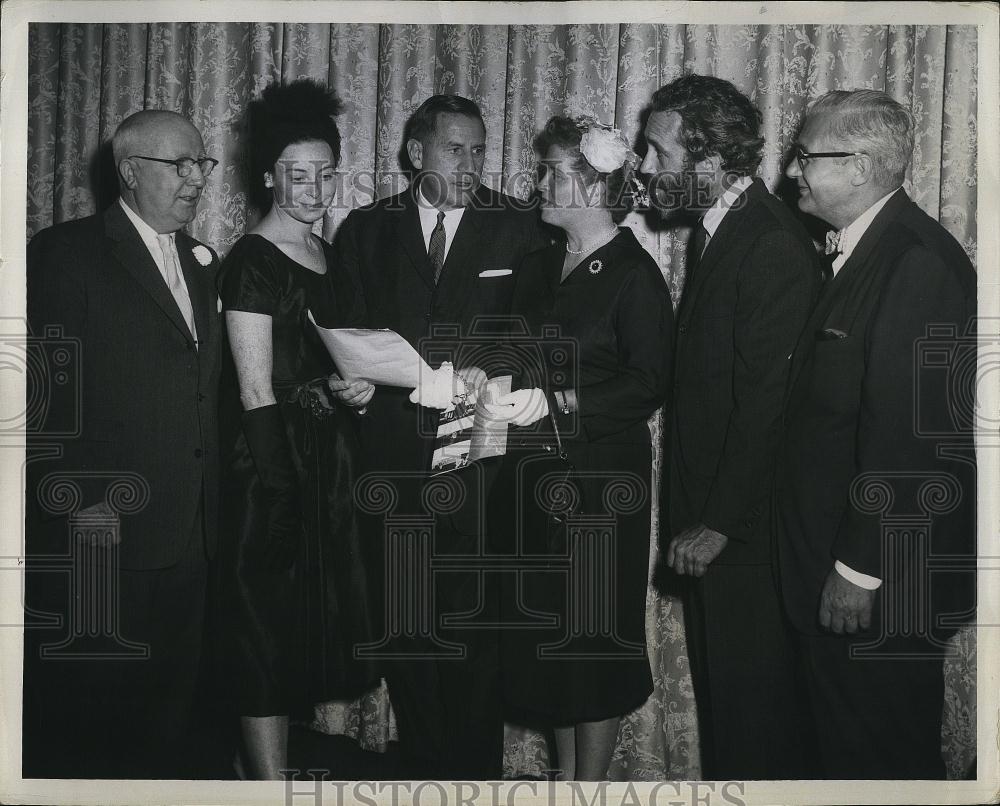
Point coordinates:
pixel 148 235
pixel 428 220
pixel 851 235
pixel 713 217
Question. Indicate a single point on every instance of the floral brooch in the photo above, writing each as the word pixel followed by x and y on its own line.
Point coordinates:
pixel 202 255
pixel 595 267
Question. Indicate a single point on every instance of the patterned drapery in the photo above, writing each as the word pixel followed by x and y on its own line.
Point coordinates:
pixel 85 78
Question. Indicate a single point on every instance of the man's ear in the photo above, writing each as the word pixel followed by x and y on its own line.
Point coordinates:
pixel 126 170
pixel 863 170
pixel 415 151
pixel 711 164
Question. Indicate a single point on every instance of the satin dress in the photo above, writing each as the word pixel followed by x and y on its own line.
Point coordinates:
pixel 285 636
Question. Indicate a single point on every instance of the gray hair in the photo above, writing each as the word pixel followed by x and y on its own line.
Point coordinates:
pixel 140 128
pixel 872 122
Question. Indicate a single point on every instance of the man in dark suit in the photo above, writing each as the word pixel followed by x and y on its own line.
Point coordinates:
pixel 750 283
pixel 109 691
pixel 431 263
pixel 877 475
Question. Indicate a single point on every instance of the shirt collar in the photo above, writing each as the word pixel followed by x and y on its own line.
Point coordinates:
pixel 147 233
pixel 851 235
pixel 713 217
pixel 429 212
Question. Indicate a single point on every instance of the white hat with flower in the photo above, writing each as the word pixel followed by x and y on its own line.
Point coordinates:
pixel 605 150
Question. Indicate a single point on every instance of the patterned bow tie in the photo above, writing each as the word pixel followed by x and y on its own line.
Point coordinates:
pixel 833 242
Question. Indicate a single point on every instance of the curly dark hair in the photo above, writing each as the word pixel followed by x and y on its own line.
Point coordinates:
pixel 566 133
pixel 716 118
pixel 286 114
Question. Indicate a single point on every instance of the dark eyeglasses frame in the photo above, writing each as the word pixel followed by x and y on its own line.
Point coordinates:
pixel 184 165
pixel 802 156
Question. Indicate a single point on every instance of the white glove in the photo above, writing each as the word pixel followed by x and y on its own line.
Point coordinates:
pixel 439 389
pixel 523 407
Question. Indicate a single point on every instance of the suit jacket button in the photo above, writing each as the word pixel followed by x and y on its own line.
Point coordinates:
pixel 682 329
pixel 197 453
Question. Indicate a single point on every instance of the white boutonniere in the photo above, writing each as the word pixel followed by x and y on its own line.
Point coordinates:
pixel 202 255
pixel 595 267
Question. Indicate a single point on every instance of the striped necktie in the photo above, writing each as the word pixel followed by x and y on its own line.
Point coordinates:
pixel 435 250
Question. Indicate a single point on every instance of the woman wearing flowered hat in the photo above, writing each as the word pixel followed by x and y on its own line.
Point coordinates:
pixel 573 497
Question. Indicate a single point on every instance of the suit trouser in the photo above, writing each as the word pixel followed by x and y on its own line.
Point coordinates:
pixel 876 717
pixel 445 688
pixel 746 682
pixel 105 711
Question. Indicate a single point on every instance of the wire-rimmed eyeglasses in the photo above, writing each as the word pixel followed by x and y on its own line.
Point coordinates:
pixel 184 165
pixel 802 156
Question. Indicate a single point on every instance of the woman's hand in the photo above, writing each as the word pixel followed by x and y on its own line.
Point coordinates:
pixel 356 394
pixel 523 407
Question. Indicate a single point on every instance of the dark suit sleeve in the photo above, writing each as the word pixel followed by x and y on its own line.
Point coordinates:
pixel 920 291
pixel 644 326
pixel 57 311
pixel 775 290
pixel 347 280
pixel 56 291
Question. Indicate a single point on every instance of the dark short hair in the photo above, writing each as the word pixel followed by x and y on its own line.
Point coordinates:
pixel 566 133
pixel 716 118
pixel 424 120
pixel 286 114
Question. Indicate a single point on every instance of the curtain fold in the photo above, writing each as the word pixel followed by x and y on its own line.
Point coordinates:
pixel 85 78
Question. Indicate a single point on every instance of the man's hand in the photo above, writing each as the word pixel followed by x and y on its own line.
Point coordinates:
pixel 357 394
pixel 844 606
pixel 693 549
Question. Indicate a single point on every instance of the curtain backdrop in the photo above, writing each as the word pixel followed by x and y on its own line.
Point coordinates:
pixel 85 78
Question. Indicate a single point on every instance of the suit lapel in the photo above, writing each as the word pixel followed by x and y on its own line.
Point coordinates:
pixel 892 208
pixel 726 234
pixel 131 252
pixel 466 238
pixel 411 237
pixel 845 281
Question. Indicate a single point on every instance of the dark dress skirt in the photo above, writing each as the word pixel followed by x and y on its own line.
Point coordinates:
pixel 573 646
pixel 285 637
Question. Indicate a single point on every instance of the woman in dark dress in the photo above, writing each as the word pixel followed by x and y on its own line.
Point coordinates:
pixel 291 586
pixel 582 478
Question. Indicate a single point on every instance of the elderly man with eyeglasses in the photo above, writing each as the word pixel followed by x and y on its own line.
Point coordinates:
pixel 109 692
pixel 876 480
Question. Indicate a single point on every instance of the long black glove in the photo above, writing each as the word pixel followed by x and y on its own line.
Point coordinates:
pixel 264 429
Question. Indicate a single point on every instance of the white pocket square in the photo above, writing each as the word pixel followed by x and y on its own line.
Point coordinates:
pixel 496 272
pixel 218 304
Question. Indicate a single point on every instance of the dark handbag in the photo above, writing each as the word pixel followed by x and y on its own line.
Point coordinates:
pixel 556 490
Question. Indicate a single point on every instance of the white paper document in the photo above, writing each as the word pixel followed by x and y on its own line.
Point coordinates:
pixel 382 357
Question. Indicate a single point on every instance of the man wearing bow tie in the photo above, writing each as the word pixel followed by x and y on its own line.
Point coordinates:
pixel 752 275
pixel 433 263
pixel 138 296
pixel 859 453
